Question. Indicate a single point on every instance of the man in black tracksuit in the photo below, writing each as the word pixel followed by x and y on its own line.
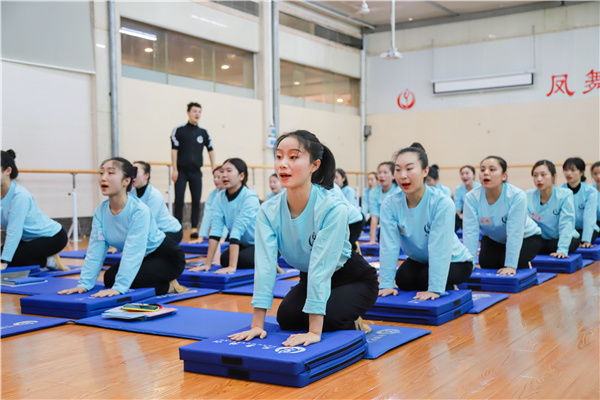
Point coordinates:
pixel 187 145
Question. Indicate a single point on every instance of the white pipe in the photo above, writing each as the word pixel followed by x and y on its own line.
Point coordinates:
pixel 112 53
pixel 393 24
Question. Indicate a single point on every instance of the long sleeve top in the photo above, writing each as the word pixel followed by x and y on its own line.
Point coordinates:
pixel 23 220
pixel 364 203
pixel 133 232
pixel 237 216
pixel 505 221
pixel 156 203
pixel 556 218
pixel 586 205
pixel 316 242
pixel 376 197
pixel 444 189
pixel 350 194
pixel 354 214
pixel 460 193
pixel 207 213
pixel 425 233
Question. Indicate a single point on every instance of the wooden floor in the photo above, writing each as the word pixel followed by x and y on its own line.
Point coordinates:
pixel 541 344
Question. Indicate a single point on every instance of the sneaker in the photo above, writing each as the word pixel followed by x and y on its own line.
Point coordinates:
pixel 51 264
pixel 361 326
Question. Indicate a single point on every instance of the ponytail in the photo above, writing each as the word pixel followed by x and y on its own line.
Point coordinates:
pixel 325 175
pixel 8 160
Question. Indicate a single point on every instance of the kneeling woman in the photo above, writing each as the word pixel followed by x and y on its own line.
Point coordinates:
pixel 152 197
pixel 309 226
pixel 421 220
pixel 234 211
pixel 510 237
pixel 150 259
pixel 553 210
pixel 31 237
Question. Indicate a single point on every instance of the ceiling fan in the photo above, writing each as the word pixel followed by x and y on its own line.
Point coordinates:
pixel 392 53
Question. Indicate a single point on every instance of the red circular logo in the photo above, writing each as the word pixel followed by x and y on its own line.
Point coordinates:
pixel 406 100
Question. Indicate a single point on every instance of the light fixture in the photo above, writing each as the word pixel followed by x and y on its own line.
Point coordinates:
pixel 392 53
pixel 340 100
pixel 364 8
pixel 484 83
pixel 296 83
pixel 189 59
pixel 148 50
pixel 224 66
pixel 139 34
pixel 100 45
pixel 410 19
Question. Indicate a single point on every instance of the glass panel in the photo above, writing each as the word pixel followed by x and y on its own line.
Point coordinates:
pixel 346 91
pixel 292 79
pixel 142 46
pixel 191 57
pixel 318 86
pixel 234 67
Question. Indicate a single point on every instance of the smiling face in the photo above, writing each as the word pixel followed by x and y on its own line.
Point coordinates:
pixel 542 178
pixel 112 181
pixel 490 173
pixel 385 176
pixel 141 179
pixel 293 165
pixel 231 177
pixel 409 173
pixel 572 175
pixel 467 176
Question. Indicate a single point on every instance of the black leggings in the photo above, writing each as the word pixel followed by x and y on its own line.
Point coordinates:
pixel 195 182
pixel 551 245
pixel 37 251
pixel 158 268
pixel 492 253
pixel 413 275
pixel 175 236
pixel 457 223
pixel 245 258
pixel 355 231
pixel 354 290
pixel 594 234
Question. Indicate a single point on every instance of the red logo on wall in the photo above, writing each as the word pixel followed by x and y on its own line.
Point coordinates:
pixel 406 100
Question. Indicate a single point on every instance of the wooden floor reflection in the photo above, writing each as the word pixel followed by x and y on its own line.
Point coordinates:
pixel 542 343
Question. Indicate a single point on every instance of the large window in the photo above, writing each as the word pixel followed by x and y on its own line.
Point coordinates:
pixel 170 57
pixel 306 86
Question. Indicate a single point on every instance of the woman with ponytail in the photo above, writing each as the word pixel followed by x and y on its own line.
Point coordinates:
pixel 433 179
pixel 309 226
pixel 31 237
pixel 150 259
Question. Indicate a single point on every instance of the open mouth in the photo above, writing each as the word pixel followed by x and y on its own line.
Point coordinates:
pixel 405 185
pixel 284 176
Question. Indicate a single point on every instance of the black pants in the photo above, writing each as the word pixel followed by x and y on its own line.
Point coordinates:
pixel 413 275
pixel 195 182
pixel 175 236
pixel 492 253
pixel 354 289
pixel 457 223
pixel 158 268
pixel 37 251
pixel 355 231
pixel 594 234
pixel 551 245
pixel 245 258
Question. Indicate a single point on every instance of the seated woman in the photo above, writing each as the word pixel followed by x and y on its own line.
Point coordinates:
pixel 342 181
pixel 309 226
pixel 235 209
pixel 420 219
pixel 152 197
pixel 275 186
pixel 467 176
pixel 150 259
pixel 585 199
pixel 510 237
pixel 552 209
pixel 387 187
pixel 433 179
pixel 364 201
pixel 31 237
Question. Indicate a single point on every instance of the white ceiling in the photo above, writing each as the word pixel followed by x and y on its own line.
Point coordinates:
pixel 425 12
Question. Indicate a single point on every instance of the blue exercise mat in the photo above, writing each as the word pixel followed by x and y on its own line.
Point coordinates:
pixel 74 270
pixel 17 324
pixel 73 254
pixel 80 305
pixel 369 249
pixel 482 301
pixel 405 303
pixel 585 263
pixel 51 285
pixel 280 290
pixel 546 263
pixel 491 277
pixel 190 294
pixel 364 237
pixel 385 338
pixel 111 258
pixel 200 248
pixel 490 287
pixel 288 273
pixel 410 318
pixel 266 360
pixel 188 323
pixel 31 268
pixel 545 276
pixel 592 253
pixel 212 277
